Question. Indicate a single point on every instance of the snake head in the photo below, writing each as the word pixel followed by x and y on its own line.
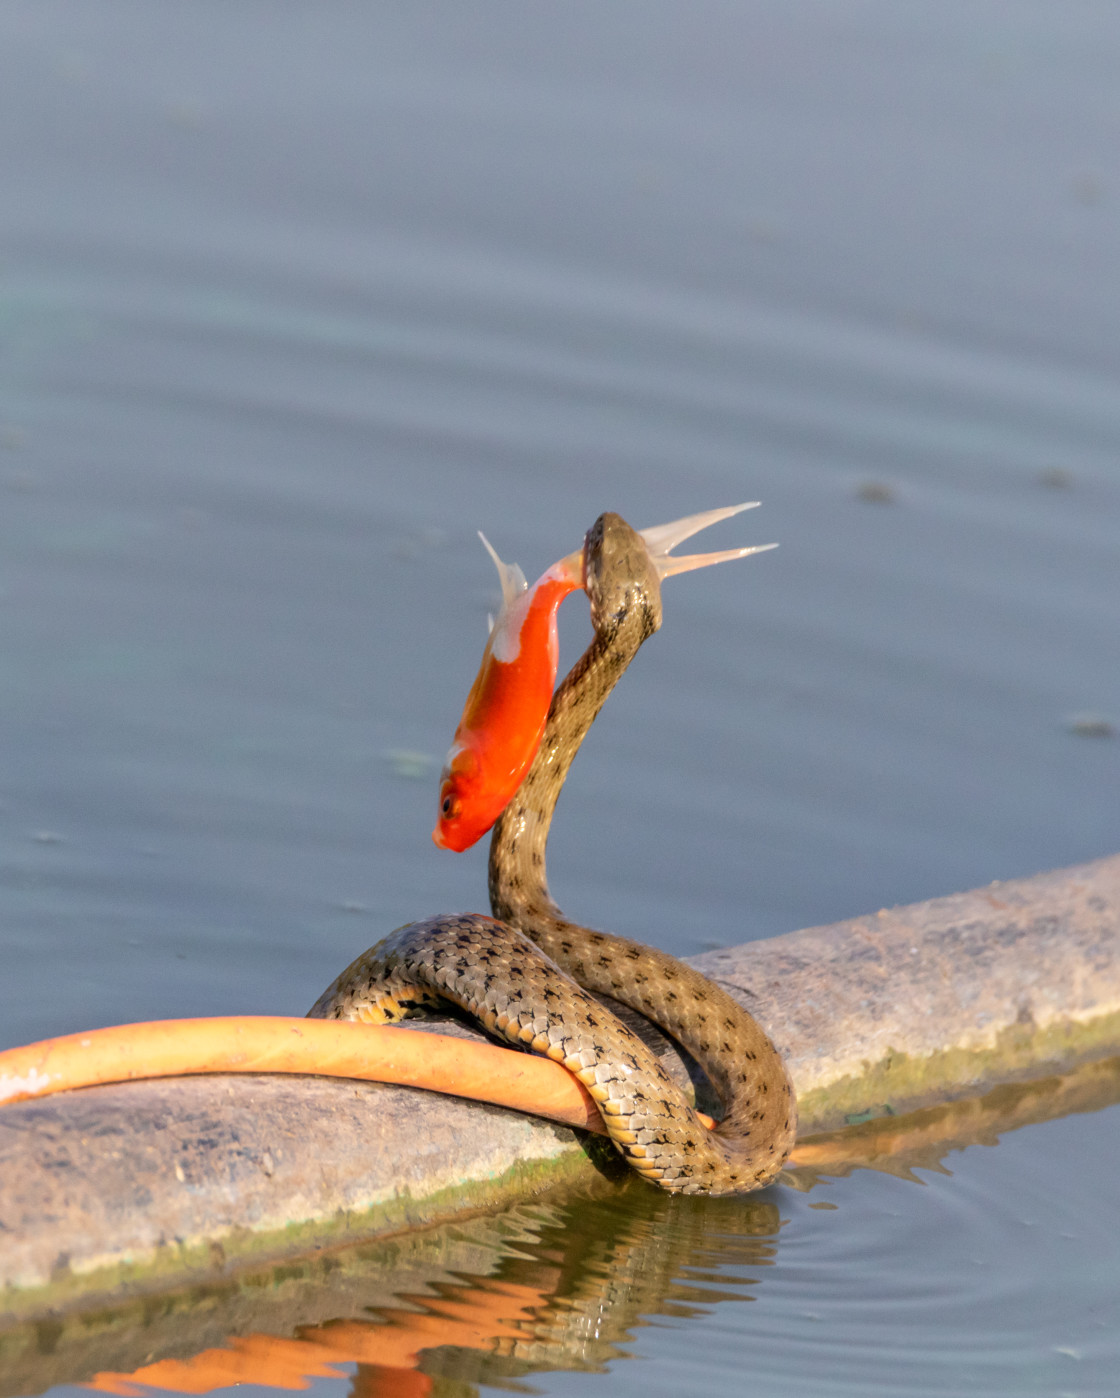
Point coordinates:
pixel 624 567
pixel 619 574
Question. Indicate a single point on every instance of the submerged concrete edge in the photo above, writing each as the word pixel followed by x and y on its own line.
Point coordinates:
pixel 120 1191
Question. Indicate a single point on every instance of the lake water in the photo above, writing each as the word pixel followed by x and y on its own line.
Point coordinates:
pixel 295 298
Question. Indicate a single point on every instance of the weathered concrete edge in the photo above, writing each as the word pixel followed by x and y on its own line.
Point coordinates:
pixel 227 1248
pixel 940 999
pixel 142 1187
pixel 121 1191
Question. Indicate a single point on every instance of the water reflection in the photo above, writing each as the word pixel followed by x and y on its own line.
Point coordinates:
pixel 899 1145
pixel 568 1286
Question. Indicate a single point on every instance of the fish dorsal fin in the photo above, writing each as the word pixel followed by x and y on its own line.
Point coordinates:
pixel 512 578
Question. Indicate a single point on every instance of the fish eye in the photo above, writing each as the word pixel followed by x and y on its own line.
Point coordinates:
pixel 447 805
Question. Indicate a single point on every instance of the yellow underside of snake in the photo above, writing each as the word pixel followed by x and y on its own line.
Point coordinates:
pixel 526 974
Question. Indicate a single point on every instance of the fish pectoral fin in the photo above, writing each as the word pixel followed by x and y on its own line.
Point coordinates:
pixel 661 539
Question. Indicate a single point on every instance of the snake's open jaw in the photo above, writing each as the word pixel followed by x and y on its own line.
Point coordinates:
pixel 662 538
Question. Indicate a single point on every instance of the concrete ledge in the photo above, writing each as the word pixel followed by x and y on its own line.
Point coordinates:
pixel 943 999
pixel 120 1191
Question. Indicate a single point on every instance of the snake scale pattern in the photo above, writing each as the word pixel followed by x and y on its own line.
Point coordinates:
pixel 526 973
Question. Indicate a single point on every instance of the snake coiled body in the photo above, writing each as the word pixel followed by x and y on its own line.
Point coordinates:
pixel 526 972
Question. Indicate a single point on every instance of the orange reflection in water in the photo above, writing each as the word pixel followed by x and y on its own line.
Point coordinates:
pixel 475 1317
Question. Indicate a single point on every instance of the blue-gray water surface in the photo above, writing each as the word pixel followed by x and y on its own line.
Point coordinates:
pixel 295 298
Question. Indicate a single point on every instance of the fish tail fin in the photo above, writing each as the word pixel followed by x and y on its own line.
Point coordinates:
pixel 663 538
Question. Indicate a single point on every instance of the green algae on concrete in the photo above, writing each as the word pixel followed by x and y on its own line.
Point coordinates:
pixel 901 1082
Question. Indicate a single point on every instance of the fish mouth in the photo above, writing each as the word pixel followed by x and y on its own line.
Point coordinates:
pixel 438 840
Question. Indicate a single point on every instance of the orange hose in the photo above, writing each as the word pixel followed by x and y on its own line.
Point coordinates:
pixel 326 1048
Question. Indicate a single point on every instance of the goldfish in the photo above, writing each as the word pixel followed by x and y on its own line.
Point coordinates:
pixel 505 712
pixel 507 707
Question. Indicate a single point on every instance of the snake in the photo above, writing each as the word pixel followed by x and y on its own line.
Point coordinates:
pixel 530 977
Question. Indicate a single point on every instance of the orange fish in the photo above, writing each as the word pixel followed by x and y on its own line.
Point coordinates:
pixel 504 717
pixel 505 713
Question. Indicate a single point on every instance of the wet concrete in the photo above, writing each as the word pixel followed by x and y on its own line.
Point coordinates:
pixel 118 1191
